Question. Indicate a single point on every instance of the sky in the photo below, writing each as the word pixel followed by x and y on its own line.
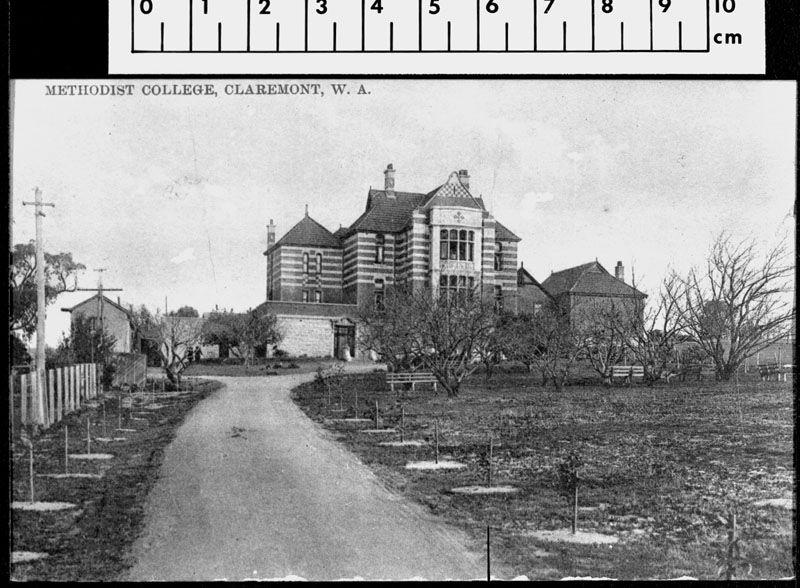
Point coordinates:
pixel 172 194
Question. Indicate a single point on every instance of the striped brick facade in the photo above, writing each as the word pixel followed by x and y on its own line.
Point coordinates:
pixel 397 241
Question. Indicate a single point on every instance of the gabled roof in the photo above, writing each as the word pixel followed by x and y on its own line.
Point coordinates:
pixel 385 214
pixel 453 193
pixel 501 233
pixel 308 233
pixel 106 300
pixel 589 278
pixel 526 280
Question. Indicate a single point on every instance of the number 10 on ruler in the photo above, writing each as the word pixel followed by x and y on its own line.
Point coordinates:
pixel 348 26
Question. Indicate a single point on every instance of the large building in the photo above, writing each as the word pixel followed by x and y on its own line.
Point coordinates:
pixel 441 239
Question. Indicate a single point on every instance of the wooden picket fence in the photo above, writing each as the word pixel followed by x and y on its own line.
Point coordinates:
pixel 64 391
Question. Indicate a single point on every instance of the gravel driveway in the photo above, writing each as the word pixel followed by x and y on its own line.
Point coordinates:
pixel 252 489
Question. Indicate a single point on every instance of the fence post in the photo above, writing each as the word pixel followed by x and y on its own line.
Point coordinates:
pixel 75 390
pixel 59 394
pixel 51 389
pixel 23 398
pixel 11 402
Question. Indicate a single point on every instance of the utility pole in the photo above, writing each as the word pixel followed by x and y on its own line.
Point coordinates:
pixel 39 386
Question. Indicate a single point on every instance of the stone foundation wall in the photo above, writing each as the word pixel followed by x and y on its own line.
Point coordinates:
pixel 312 336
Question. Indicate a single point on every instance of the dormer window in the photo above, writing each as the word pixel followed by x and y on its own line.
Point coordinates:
pixel 498 257
pixel 305 263
pixel 380 247
pixel 319 263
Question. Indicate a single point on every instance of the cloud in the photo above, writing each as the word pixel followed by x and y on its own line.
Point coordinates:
pixel 575 156
pixel 537 197
pixel 183 256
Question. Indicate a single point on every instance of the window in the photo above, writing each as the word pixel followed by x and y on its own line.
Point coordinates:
pixel 318 296
pixel 305 263
pixel 498 257
pixel 305 295
pixel 319 263
pixel 498 298
pixel 379 294
pixel 460 286
pixel 457 245
pixel 380 247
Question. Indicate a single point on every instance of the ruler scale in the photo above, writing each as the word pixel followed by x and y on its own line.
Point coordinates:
pixel 529 33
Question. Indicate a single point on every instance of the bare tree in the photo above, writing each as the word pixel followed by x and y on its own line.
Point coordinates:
pixel 442 334
pixel 739 303
pixel 606 334
pixel 176 337
pixel 654 329
pixel 547 341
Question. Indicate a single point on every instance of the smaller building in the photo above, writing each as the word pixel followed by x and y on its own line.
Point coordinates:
pixel 111 316
pixel 587 289
pixel 531 296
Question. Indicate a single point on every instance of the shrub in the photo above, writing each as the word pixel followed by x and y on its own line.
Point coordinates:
pixel 279 352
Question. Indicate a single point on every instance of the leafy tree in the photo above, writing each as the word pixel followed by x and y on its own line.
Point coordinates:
pixel 738 304
pixel 86 343
pixel 185 311
pixel 19 352
pixel 242 333
pixel 60 276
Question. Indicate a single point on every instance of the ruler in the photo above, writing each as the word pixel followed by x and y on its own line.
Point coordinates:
pixel 436 36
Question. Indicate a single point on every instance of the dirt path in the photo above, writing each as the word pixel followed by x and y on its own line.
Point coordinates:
pixel 279 499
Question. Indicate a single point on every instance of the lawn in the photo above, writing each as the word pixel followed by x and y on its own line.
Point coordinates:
pixel 91 542
pixel 662 466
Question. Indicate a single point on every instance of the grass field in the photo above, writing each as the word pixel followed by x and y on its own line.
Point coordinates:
pixel 662 465
pixel 90 543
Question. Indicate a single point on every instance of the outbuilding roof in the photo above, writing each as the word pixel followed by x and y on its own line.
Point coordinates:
pixel 589 278
pixel 106 300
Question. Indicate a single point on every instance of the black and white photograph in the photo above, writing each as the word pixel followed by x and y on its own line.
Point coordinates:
pixel 392 329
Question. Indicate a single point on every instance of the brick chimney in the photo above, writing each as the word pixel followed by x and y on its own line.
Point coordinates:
pixel 270 234
pixel 389 180
pixel 619 271
pixel 463 176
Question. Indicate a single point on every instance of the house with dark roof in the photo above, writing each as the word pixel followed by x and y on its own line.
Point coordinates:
pixel 531 296
pixel 104 313
pixel 441 240
pixel 585 289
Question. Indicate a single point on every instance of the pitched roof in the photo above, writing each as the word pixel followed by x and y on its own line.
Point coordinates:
pixel 526 280
pixel 589 278
pixel 385 214
pixel 503 234
pixel 308 233
pixel 106 300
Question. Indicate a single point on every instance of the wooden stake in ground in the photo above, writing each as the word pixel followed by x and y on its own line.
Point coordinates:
pixel 402 424
pixel 88 436
pixel 488 554
pixel 436 437
pixel 119 409
pixel 66 449
pixel 376 415
pixel 575 511
pixel 104 418
pixel 355 404
pixel 489 463
pixel 29 443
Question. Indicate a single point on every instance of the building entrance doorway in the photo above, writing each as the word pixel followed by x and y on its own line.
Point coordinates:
pixel 344 337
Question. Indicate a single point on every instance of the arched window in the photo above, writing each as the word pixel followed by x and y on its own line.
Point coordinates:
pixel 319 263
pixel 380 246
pixel 305 263
pixel 498 257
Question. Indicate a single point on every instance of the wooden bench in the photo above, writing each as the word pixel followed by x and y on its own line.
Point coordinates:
pixel 698 371
pixel 774 371
pixel 627 372
pixel 412 378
